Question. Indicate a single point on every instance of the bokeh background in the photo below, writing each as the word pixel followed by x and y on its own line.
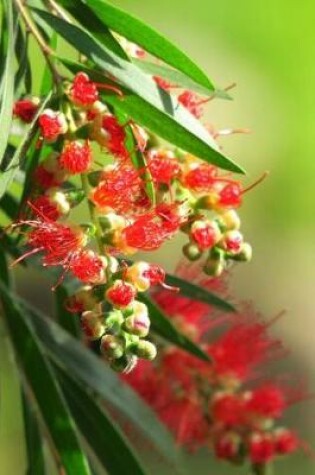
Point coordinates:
pixel 268 49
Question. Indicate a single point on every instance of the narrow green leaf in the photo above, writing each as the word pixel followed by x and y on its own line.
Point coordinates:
pixel 41 380
pixel 178 78
pixel 163 327
pixel 9 206
pixel 23 74
pixel 70 354
pixel 34 441
pixel 195 292
pixel 66 320
pixel 135 30
pixel 155 109
pixel 85 16
pixel 7 83
pixel 13 167
pixel 103 435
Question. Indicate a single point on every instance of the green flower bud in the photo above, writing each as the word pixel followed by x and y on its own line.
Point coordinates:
pixel 143 349
pixel 192 251
pixel 112 346
pixel 215 264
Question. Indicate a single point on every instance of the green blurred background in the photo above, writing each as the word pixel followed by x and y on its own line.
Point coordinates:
pixel 268 49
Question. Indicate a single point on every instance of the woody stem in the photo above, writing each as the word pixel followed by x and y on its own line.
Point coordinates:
pixel 45 49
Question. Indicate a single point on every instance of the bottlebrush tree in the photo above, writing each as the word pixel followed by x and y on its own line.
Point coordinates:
pixel 112 131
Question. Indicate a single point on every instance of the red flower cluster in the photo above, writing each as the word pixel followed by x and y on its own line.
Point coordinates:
pixel 227 404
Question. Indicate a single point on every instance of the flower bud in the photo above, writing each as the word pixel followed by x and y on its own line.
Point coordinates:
pixel 84 299
pixel 286 442
pixel 192 251
pixel 25 109
pixel 121 294
pixel 60 200
pixel 230 220
pixel 215 264
pixel 205 234
pixel 143 349
pixel 112 346
pixel 227 446
pixel 92 324
pixel 76 157
pixel 245 254
pixel 138 323
pixel 233 241
pixel 52 124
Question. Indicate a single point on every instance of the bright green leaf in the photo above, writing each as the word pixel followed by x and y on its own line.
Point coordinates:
pixel 34 440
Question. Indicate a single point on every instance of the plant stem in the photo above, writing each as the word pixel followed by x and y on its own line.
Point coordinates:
pixel 259 469
pixel 46 50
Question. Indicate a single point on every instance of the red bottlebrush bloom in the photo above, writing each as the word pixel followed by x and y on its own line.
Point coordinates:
pixel 163 167
pixel 267 401
pixel 52 124
pixel 88 267
pixel 121 294
pixel 46 207
pixel 205 233
pixel 286 442
pixel 117 136
pixel 261 449
pixel 25 109
pixel 230 196
pixel 241 348
pixel 120 188
pixel 76 157
pixel 200 178
pixel 155 274
pixel 83 91
pixel 192 102
pixel 227 446
pixel 227 409
pixel 45 179
pixel 149 231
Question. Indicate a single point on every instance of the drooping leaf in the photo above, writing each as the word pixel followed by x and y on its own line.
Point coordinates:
pixel 155 109
pixel 103 435
pixel 33 439
pixel 70 354
pixel 140 33
pixel 7 82
pixel 12 168
pixel 40 379
pixel 162 326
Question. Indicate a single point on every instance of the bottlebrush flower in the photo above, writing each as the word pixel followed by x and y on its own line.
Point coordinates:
pixel 53 205
pixel 49 173
pixel 25 109
pixel 266 401
pixel 198 176
pixel 163 166
pixel 205 233
pixel 120 189
pixel 261 448
pixel 144 275
pixel 192 102
pixel 149 231
pixel 110 134
pixel 89 267
pixel 121 294
pixel 286 441
pixel 76 157
pixel 52 124
pixel 83 91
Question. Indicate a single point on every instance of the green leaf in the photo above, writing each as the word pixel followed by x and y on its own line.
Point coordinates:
pixel 163 327
pixel 70 354
pixel 155 109
pixel 84 15
pixel 13 166
pixel 195 292
pixel 177 78
pixel 103 435
pixel 66 320
pixel 23 74
pixel 34 441
pixel 9 206
pixel 7 82
pixel 45 389
pixel 135 30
